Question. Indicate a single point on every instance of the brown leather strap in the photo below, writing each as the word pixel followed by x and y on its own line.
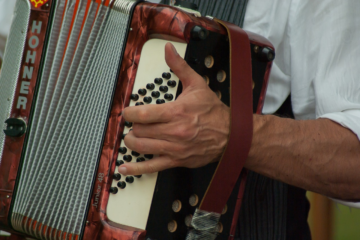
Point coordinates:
pixel 238 204
pixel 241 127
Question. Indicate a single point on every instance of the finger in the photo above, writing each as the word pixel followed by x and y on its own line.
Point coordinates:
pixel 151 146
pixel 161 131
pixel 172 132
pixel 178 65
pixel 146 114
pixel 154 165
pixel 154 130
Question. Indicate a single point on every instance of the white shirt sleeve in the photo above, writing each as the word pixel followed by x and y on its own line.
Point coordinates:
pixel 337 84
pixel 317 57
pixel 270 19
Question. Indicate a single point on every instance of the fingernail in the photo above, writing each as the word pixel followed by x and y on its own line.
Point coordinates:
pixel 123 170
pixel 174 50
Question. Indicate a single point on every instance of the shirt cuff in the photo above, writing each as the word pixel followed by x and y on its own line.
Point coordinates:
pixel 349 204
pixel 349 119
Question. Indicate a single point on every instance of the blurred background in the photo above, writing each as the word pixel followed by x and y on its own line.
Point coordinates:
pixel 331 221
pixel 327 220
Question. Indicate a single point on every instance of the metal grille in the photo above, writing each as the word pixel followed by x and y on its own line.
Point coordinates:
pixel 12 61
pixel 70 118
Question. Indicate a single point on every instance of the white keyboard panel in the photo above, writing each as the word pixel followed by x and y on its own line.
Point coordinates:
pixel 130 206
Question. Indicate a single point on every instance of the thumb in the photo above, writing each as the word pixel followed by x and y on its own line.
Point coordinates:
pixel 178 65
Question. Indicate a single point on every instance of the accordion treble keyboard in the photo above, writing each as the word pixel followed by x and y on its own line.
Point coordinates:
pixel 130 205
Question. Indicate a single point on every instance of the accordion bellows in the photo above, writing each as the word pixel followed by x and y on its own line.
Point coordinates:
pixel 77 83
pixel 70 68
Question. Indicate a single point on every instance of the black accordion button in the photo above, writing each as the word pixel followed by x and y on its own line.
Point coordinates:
pixel 117 176
pixel 129 179
pixel 171 83
pixel 160 101
pixel 114 190
pixel 135 154
pixel 149 156
pixel 127 158
pixel 138 176
pixel 142 92
pixel 147 99
pixel 140 159
pixel 164 89
pixel 139 103
pixel 121 185
pixel 119 163
pixel 122 150
pixel 155 94
pixel 158 81
pixel 166 75
pixel 150 86
pixel 134 97
pixel 168 96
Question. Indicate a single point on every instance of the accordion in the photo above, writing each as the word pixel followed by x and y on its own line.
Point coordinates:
pixel 70 68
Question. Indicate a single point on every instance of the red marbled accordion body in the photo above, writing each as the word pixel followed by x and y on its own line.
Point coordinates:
pixel 148 21
pixel 14 146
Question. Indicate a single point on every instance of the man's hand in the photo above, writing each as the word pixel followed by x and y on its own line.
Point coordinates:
pixel 189 132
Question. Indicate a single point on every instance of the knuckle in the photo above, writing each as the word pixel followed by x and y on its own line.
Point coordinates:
pixel 182 65
pixel 151 168
pixel 176 163
pixel 180 151
pixel 180 163
pixel 172 162
pixel 143 115
pixel 179 132
pixel 163 149
pixel 179 148
pixel 183 133
pixel 137 169
pixel 139 146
